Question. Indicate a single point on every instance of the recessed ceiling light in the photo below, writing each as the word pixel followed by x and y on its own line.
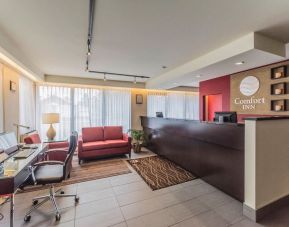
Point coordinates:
pixel 198 76
pixel 239 63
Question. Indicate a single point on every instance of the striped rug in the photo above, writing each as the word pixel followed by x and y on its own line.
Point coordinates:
pixel 159 172
pixel 90 170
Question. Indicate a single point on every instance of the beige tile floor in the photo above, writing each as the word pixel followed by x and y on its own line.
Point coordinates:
pixel 126 201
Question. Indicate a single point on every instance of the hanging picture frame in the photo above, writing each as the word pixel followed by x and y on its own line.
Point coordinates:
pixel 139 99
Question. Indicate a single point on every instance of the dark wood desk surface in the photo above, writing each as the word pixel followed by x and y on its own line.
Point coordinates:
pixel 211 151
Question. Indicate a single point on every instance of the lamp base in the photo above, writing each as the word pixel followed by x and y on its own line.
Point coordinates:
pixel 51 133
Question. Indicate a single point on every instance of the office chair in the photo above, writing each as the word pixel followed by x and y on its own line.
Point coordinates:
pixel 50 173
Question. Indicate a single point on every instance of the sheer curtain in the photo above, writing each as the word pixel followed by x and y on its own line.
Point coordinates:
pixel 54 99
pixel 1 99
pixel 88 108
pixel 156 102
pixel 176 105
pixel 192 106
pixel 179 105
pixel 26 104
pixel 117 107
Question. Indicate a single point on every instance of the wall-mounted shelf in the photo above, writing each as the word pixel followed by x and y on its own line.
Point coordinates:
pixel 279 105
pixel 279 88
pixel 279 72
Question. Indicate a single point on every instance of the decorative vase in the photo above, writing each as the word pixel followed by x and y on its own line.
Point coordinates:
pixel 136 147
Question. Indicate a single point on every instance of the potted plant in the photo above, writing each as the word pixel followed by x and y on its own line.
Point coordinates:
pixel 137 139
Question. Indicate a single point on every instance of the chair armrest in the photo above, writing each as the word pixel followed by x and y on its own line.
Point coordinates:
pixel 48 163
pixel 57 145
pixel 80 143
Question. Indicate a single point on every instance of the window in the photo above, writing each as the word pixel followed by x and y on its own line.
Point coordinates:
pixel 179 105
pixel 117 108
pixel 84 107
pixel 176 105
pixel 156 102
pixel 88 108
pixel 26 104
pixel 53 99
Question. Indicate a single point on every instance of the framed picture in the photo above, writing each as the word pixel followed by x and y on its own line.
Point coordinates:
pixel 13 86
pixel 139 99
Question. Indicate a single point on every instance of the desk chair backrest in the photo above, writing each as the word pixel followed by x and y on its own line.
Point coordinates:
pixel 32 139
pixel 69 157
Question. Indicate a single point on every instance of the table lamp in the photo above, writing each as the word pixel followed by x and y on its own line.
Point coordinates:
pixel 50 118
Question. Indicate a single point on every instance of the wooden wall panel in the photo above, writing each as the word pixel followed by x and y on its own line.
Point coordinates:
pixel 264 76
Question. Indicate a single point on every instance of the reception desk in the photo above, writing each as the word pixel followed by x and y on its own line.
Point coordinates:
pixel 213 152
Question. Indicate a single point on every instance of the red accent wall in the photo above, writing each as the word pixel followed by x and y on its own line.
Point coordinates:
pixel 214 105
pixel 220 85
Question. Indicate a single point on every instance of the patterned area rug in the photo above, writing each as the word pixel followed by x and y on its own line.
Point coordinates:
pixel 90 170
pixel 159 172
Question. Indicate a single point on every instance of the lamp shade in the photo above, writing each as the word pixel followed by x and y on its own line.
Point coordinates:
pixel 50 118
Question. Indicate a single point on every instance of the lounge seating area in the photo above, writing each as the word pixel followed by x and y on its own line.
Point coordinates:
pixel 103 141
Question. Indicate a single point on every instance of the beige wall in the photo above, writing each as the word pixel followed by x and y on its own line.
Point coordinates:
pixel 138 109
pixel 11 99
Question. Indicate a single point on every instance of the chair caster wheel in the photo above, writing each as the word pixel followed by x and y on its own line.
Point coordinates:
pixel 27 218
pixel 61 192
pixel 35 202
pixel 76 199
pixel 57 217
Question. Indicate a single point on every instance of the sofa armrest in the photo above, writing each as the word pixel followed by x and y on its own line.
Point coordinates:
pixel 126 137
pixel 80 143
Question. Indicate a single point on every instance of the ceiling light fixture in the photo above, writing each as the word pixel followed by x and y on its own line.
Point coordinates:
pixel 164 67
pixel 104 77
pixel 198 76
pixel 239 63
pixel 134 80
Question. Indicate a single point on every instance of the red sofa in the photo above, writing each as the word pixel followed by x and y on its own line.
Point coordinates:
pixel 103 141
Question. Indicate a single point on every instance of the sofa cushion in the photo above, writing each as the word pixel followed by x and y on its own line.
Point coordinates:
pixel 92 134
pixel 89 146
pixel 104 144
pixel 112 132
pixel 116 143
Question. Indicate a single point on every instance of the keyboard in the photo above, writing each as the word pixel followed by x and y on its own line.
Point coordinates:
pixel 24 153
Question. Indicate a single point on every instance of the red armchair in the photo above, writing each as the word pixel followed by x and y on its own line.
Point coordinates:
pixel 103 141
pixel 56 150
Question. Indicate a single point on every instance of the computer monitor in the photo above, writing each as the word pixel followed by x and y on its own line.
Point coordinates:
pixel 8 142
pixel 159 114
pixel 230 117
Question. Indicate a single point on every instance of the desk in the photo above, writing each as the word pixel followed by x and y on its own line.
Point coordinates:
pixel 214 152
pixel 16 171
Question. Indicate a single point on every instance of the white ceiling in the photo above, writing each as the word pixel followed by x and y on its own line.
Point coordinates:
pixel 133 36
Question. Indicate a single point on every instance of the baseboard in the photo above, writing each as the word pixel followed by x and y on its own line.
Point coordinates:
pixel 257 215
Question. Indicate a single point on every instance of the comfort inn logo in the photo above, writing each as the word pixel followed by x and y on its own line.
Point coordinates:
pixel 248 87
